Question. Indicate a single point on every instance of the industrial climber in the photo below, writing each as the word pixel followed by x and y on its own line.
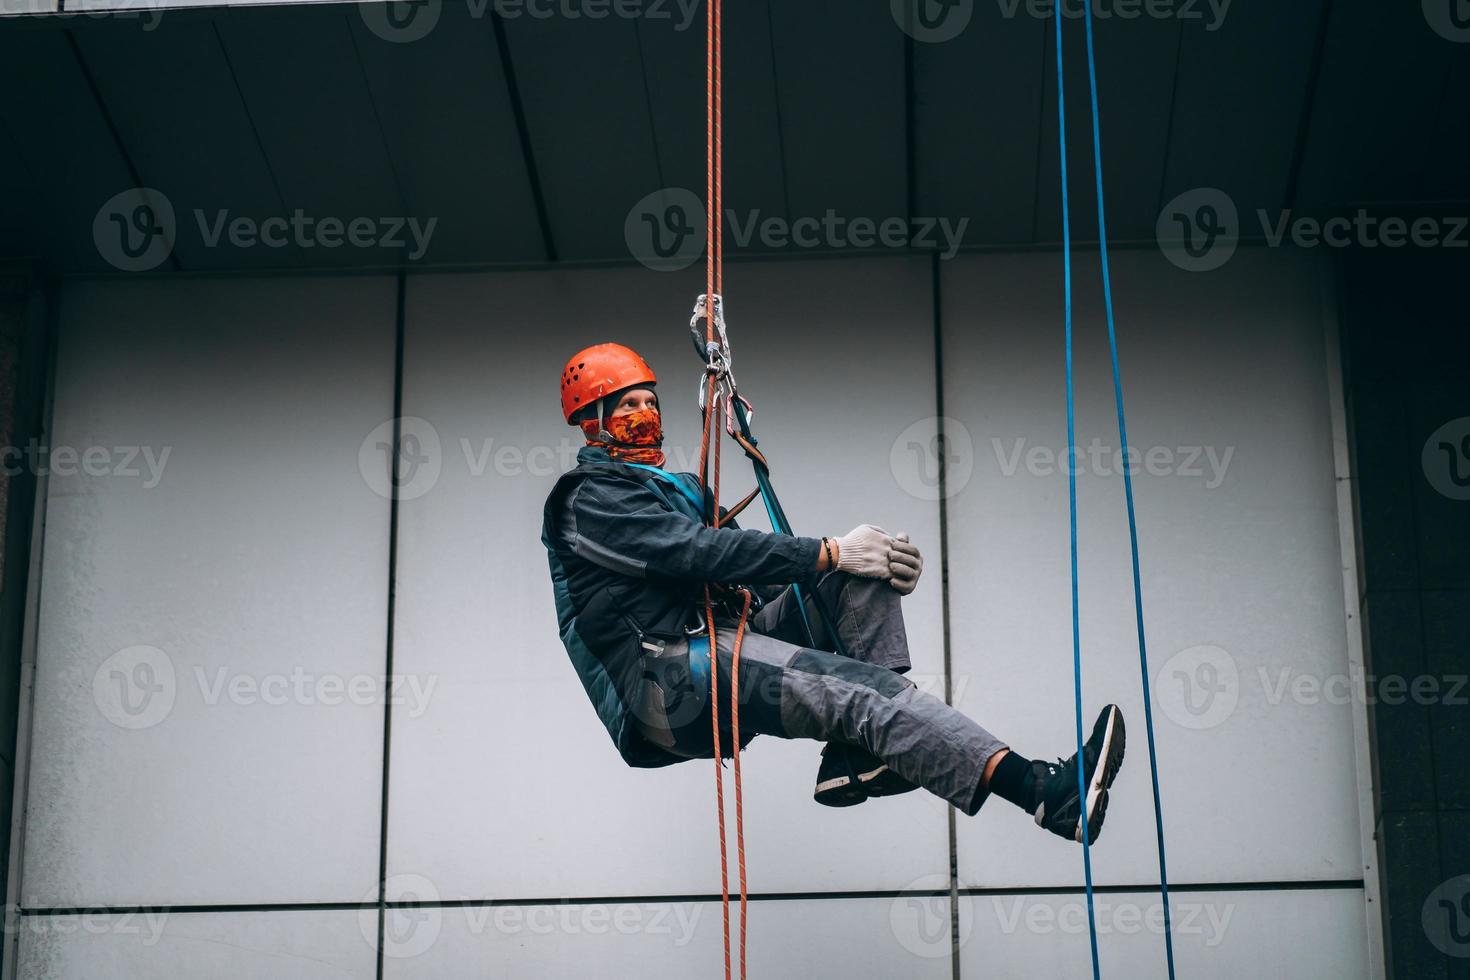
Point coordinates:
pixel 630 555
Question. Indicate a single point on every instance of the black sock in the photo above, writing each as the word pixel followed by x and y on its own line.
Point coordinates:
pixel 1014 779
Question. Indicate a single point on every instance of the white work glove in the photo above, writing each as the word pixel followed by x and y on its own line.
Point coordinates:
pixel 905 564
pixel 864 551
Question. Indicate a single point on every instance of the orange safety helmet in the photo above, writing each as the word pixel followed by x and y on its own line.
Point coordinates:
pixel 599 371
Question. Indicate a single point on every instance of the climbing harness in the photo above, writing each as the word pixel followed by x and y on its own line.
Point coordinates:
pixel 1127 485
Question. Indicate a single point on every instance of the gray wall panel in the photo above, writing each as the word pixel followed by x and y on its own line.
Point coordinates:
pixel 148 944
pixel 507 786
pixel 1227 362
pixel 860 938
pixel 256 556
pixel 1216 934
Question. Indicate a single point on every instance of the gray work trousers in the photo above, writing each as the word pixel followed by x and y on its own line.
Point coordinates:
pixel 793 687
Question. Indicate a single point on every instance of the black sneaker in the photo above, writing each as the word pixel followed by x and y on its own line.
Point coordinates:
pixel 1057 809
pixel 848 775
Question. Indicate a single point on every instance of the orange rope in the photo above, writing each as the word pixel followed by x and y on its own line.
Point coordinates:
pixel 710 439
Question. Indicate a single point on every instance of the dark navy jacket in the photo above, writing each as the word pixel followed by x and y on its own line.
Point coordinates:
pixel 629 556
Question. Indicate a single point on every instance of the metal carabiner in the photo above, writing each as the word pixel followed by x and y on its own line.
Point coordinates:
pixel 716 355
pixel 699 630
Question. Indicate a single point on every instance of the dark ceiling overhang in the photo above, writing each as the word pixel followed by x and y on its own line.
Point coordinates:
pixel 528 139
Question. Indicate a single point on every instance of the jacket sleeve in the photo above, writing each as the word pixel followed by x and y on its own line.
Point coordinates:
pixel 624 527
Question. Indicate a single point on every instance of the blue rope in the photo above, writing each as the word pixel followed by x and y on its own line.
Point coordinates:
pixel 1072 491
pixel 1148 715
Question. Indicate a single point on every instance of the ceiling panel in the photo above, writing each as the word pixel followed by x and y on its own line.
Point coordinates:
pixel 671 51
pixel 369 111
pixel 193 142
pixel 1240 97
pixel 842 109
pixel 20 205
pixel 976 152
pixel 1446 169
pixel 582 85
pixel 450 129
pixel 62 140
pixel 1136 61
pixel 303 85
pixel 755 161
pixel 674 60
pixel 1383 77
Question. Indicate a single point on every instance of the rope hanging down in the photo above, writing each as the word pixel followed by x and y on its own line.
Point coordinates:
pixel 717 378
pixel 1127 481
pixel 1148 715
pixel 721 404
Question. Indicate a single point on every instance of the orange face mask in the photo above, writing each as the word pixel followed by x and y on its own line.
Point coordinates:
pixel 637 436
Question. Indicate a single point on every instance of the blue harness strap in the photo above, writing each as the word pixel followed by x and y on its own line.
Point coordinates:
pixel 699 662
pixel 779 523
pixel 671 478
pixel 1148 714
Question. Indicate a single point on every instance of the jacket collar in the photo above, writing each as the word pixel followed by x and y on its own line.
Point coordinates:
pixel 593 454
